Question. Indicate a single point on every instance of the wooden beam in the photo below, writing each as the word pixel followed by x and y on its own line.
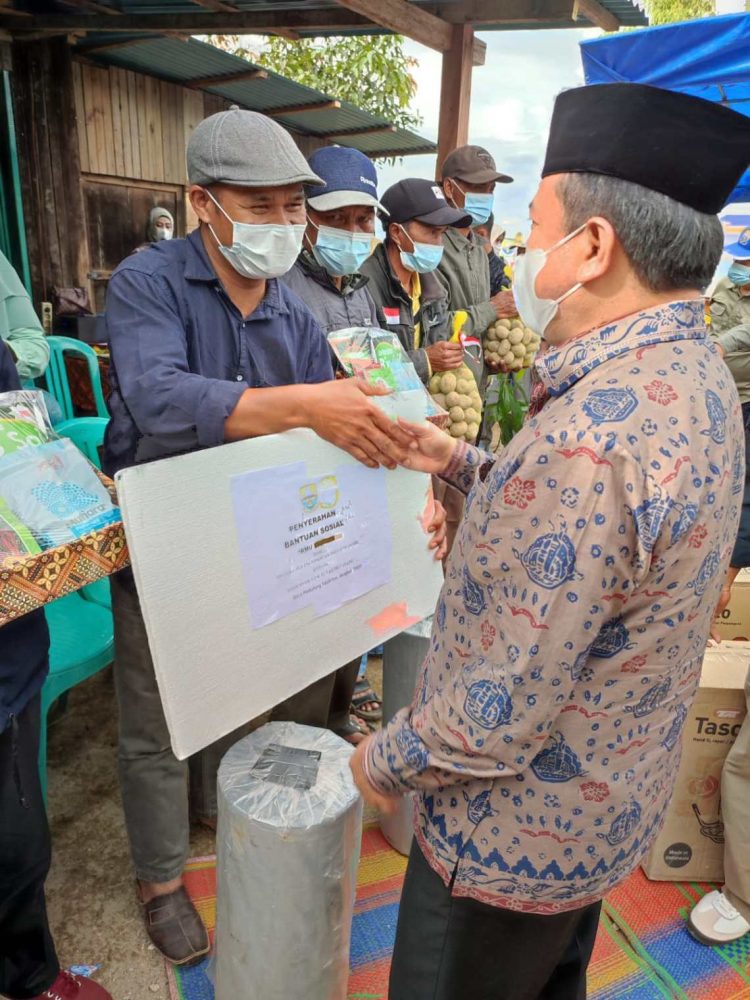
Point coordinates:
pixel 217 5
pixel 455 93
pixel 499 12
pixel 599 16
pixel 214 81
pixel 333 20
pixel 291 36
pixel 295 109
pixel 405 18
pixel 7 9
pixel 367 130
pixel 205 22
pixel 94 7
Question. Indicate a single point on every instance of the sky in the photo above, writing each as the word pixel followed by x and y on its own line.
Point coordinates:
pixel 511 103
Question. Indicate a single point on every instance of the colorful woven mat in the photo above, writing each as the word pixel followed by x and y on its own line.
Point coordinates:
pixel 643 951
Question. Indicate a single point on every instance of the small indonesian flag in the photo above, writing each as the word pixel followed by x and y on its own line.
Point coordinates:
pixel 392 315
pixel 470 341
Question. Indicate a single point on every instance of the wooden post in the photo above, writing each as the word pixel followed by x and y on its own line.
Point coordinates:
pixel 49 162
pixel 455 93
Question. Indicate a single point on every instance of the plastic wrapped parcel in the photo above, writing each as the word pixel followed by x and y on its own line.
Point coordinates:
pixel 289 832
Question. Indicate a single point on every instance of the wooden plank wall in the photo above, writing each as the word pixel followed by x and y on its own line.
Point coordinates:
pixel 133 126
pixel 78 123
pixel 137 127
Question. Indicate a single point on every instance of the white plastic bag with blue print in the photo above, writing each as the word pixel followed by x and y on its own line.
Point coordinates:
pixel 53 490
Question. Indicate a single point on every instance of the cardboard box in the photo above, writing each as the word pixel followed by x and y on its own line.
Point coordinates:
pixel 734 623
pixel 690 847
pixel 30 582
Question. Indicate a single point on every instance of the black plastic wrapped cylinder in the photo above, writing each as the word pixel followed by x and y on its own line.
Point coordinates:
pixel 289 836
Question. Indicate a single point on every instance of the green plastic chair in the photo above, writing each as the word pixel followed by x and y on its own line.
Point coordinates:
pixel 80 624
pixel 87 434
pixel 57 375
pixel 82 644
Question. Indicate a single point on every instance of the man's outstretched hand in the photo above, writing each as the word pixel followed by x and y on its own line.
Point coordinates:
pixel 344 413
pixel 429 449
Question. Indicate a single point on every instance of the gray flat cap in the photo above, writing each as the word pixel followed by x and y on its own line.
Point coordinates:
pixel 246 149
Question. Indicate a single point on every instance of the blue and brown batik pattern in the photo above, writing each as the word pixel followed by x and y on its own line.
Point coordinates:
pixel 568 638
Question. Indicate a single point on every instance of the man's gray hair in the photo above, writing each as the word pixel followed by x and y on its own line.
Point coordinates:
pixel 669 245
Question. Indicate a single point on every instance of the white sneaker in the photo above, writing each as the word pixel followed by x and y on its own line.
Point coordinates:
pixel 715 921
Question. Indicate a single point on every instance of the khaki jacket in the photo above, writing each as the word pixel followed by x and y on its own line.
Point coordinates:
pixel 729 307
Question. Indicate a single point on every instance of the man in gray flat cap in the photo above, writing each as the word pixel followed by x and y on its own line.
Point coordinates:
pixel 208 347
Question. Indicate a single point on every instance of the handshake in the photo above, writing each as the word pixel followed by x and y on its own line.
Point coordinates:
pixel 344 413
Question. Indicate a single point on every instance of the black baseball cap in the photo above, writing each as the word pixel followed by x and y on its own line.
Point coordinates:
pixel 422 200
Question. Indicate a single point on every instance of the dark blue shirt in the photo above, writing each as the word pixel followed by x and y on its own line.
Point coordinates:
pixel 182 353
pixel 24 643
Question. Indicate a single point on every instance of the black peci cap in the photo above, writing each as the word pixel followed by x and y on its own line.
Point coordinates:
pixel 692 150
pixel 416 198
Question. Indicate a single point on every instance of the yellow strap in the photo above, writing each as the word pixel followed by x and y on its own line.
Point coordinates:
pixel 459 318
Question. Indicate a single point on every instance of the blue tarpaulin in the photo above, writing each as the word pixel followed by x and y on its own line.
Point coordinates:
pixel 708 58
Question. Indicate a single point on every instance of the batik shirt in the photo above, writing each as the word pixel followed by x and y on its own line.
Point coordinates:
pixel 544 737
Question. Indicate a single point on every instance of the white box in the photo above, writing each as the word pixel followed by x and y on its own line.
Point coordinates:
pixel 215 670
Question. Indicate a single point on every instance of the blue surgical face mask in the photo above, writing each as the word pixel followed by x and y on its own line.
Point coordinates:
pixel 339 251
pixel 739 275
pixel 424 258
pixel 478 206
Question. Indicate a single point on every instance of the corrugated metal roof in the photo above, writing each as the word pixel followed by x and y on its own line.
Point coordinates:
pixel 184 62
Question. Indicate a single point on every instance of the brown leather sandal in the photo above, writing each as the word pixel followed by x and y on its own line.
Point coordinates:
pixel 176 929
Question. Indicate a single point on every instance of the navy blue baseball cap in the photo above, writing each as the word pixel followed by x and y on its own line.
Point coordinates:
pixel 348 176
pixel 741 249
pixel 424 201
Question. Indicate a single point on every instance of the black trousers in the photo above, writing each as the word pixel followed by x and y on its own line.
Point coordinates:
pixel 456 948
pixel 28 962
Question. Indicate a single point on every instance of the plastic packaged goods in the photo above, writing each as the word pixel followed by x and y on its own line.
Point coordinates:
pixel 51 493
pixel 53 490
pixel 288 842
pixel 377 356
pixel 15 538
pixel 24 421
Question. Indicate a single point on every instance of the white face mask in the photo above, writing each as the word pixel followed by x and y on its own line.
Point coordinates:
pixel 260 251
pixel 537 313
pixel 162 234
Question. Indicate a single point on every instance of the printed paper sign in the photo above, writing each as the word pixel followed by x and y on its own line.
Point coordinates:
pixel 310 541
